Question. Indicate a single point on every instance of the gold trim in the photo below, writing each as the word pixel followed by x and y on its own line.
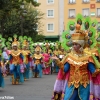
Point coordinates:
pixel 79 95
pixel 72 93
pixel 81 58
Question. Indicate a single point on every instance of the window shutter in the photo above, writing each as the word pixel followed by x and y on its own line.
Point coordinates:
pixel 85 12
pixel 71 13
pixel 98 11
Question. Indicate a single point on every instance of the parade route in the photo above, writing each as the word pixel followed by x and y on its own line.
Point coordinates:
pixel 33 89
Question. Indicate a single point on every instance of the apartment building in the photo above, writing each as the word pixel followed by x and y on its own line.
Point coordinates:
pixel 85 7
pixel 53 22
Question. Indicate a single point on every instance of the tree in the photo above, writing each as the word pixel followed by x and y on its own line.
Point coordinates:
pixel 14 21
pixel 6 7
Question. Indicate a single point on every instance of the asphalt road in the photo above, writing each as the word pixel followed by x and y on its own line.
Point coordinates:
pixel 33 89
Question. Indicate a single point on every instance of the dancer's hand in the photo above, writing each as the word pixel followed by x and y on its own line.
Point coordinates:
pixel 54 58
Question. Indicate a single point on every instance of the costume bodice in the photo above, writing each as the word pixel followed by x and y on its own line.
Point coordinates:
pixel 25 54
pixel 78 70
pixel 37 58
pixel 46 57
pixel 16 56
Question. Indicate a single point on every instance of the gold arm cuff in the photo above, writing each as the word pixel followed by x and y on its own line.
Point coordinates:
pixel 97 71
pixel 60 64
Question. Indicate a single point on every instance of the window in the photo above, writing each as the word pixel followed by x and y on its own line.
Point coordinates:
pixel 71 13
pixel 86 1
pixel 98 0
pixel 50 1
pixel 98 12
pixel 85 12
pixel 72 1
pixel 50 27
pixel 50 13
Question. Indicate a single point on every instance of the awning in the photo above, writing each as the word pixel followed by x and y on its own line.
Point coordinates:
pixel 55 36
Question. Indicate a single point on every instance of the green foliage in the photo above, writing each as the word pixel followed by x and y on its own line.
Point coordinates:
pixel 19 21
pixel 39 38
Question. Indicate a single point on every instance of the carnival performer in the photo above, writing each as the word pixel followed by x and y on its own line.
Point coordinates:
pixel 2 72
pixel 56 53
pixel 26 54
pixel 46 62
pixel 79 75
pixel 37 58
pixel 16 64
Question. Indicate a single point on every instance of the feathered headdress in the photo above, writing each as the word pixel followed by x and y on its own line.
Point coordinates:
pixel 38 48
pixel 15 42
pixel 25 43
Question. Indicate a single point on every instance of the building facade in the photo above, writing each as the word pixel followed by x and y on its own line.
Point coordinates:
pixel 85 7
pixel 53 21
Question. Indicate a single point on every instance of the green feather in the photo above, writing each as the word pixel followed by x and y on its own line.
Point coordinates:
pixel 20 38
pixel 29 39
pixel 65 40
pixel 10 39
pixel 88 19
pixel 15 36
pixel 94 42
pixel 70 23
pixel 94 21
pixel 79 16
pixel 25 37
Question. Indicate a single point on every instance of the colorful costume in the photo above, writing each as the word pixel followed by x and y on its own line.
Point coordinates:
pixel 37 58
pixel 46 63
pixel 79 75
pixel 16 64
pixel 26 54
pixel 56 68
pixel 2 71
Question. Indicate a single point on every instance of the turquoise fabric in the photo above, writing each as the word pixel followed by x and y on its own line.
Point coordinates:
pixel 68 92
pixel 15 70
pixel 30 73
pixel 57 69
pixel 39 66
pixel 83 93
pixel 2 83
pixel 26 73
pixel 38 69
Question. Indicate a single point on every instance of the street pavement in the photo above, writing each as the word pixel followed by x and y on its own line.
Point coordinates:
pixel 32 89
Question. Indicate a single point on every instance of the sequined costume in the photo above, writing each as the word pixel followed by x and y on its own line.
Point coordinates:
pixel 37 58
pixel 79 74
pixel 16 64
pixel 2 71
pixel 26 54
pixel 46 63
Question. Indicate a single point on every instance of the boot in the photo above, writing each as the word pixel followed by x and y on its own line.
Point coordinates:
pixel 17 81
pixel 25 79
pixel 13 80
pixel 35 75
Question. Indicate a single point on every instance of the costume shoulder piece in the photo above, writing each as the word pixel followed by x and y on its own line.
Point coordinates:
pixel 78 60
pixel 15 53
pixel 36 56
